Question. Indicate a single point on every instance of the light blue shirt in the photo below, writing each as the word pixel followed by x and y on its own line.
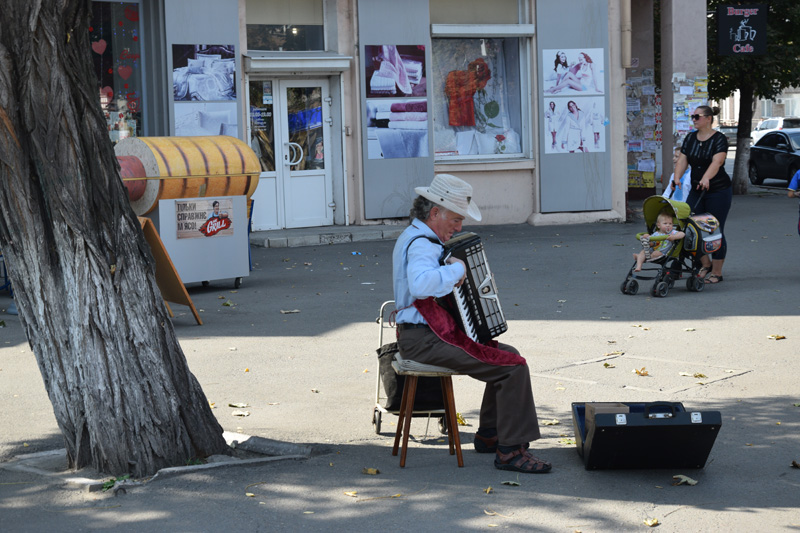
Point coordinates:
pixel 680 195
pixel 417 272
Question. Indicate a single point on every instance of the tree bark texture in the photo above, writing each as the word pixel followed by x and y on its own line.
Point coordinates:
pixel 82 273
pixel 741 178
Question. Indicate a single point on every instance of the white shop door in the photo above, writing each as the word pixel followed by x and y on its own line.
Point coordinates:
pixel 289 129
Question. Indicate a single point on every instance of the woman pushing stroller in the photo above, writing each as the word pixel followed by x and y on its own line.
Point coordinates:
pixel 656 248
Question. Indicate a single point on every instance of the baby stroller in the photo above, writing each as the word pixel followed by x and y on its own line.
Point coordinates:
pixel 703 236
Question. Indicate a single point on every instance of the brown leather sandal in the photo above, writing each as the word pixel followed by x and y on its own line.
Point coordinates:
pixel 521 460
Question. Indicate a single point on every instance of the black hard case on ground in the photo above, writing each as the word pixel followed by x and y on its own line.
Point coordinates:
pixel 651 435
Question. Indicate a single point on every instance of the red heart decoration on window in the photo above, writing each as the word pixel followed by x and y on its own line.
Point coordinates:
pixel 131 14
pixel 125 72
pixel 107 91
pixel 99 46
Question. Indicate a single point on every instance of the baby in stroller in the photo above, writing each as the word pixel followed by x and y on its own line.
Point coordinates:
pixel 682 240
pixel 655 248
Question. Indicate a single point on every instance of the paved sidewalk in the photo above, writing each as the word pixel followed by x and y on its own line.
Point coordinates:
pixel 309 377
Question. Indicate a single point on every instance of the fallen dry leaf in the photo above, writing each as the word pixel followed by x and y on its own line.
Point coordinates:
pixel 352 494
pixel 776 337
pixel 511 483
pixel 795 464
pixel 553 422
pixel 488 490
pixel 460 420
pixel 370 471
pixel 308 512
pixel 641 372
pixel 240 413
pixel 238 405
pixel 228 303
pixel 680 479
pixel 247 370
pixel 249 494
pixel 688 329
pixel 490 512
pixel 609 365
pixel 289 311
pixel 615 352
pixel 561 388
pixel 652 522
pixel 315 391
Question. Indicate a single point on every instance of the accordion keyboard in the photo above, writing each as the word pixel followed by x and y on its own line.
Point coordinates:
pixel 477 302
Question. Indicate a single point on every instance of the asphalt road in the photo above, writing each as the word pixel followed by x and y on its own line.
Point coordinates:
pixel 309 377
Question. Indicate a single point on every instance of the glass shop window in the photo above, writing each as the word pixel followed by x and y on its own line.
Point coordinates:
pixel 477 98
pixel 115 37
pixel 285 25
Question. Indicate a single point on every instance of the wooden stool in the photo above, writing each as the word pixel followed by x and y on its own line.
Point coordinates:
pixel 412 371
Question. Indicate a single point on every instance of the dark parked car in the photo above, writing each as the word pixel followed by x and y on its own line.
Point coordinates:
pixel 730 134
pixel 776 155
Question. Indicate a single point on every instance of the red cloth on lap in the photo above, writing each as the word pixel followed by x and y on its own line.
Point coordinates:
pixel 444 326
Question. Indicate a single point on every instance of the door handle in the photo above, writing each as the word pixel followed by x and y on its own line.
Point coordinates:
pixel 296 151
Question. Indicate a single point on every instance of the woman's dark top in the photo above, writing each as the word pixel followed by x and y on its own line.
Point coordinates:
pixel 700 154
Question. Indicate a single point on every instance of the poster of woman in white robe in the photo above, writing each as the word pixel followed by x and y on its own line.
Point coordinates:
pixel 574 125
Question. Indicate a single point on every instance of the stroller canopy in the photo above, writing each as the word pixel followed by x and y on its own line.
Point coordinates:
pixel 653 205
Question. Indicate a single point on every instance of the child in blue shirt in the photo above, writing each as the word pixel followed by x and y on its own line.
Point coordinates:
pixel 794 192
pixel 681 194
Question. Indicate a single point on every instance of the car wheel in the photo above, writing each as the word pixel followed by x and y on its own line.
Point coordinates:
pixel 755 179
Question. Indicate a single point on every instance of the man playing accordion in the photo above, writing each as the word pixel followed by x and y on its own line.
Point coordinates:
pixel 508 421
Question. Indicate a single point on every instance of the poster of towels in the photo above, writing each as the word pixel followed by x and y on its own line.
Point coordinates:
pixel 204 89
pixel 397 106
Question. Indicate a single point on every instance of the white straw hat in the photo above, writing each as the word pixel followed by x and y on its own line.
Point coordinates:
pixel 453 194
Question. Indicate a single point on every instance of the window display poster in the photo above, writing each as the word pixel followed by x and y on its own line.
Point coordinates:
pixel 478 107
pixel 575 125
pixel 573 71
pixel 203 72
pixel 397 128
pixel 206 118
pixel 204 218
pixel 395 70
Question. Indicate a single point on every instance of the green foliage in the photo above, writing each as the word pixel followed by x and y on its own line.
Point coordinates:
pixel 108 485
pixel 763 76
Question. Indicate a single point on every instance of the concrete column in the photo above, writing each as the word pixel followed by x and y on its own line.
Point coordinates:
pixel 683 49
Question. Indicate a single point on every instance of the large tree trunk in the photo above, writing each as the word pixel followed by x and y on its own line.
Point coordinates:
pixel 741 178
pixel 82 272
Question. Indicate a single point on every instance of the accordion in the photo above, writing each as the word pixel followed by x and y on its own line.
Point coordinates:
pixel 474 304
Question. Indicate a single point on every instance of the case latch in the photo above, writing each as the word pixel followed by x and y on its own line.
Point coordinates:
pixel 697 418
pixel 622 420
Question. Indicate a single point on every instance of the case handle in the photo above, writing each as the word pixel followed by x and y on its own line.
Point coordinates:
pixel 670 414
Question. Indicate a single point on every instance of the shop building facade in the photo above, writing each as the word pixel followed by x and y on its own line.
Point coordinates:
pixel 350 104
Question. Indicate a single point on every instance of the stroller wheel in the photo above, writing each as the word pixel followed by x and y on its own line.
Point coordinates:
pixel 660 289
pixel 632 287
pixel 700 284
pixel 624 287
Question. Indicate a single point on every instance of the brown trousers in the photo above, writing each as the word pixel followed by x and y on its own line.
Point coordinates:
pixel 507 399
